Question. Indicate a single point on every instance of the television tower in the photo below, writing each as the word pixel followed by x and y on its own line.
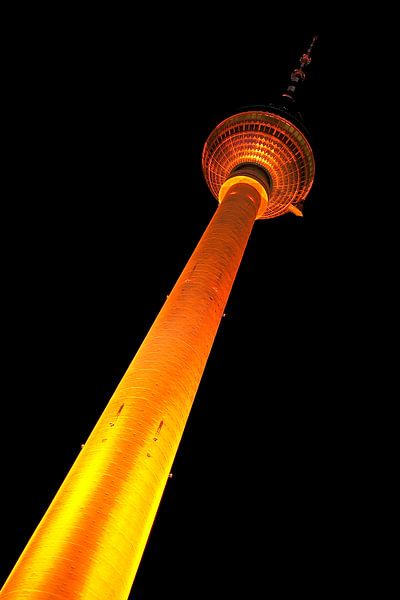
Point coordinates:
pixel 89 543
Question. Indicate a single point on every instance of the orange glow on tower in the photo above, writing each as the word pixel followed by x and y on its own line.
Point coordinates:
pixel 89 543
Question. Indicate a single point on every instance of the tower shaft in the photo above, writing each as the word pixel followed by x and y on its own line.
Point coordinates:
pixel 91 539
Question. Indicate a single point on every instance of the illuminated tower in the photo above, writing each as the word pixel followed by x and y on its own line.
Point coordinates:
pixel 89 543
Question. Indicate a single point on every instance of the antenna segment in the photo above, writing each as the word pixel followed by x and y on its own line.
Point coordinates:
pixel 299 74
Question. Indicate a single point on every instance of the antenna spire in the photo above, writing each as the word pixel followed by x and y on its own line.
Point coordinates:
pixel 298 74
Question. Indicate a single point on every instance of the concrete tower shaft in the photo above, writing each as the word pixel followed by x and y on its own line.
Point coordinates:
pixel 92 537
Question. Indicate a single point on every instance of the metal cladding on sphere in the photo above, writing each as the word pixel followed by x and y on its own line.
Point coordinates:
pixel 269 141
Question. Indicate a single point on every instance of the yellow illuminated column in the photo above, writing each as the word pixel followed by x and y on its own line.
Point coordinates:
pixel 91 539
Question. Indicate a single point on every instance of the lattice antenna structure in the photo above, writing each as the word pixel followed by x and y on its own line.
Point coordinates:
pixel 298 75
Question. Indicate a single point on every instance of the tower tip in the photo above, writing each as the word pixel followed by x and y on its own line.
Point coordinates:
pixel 299 74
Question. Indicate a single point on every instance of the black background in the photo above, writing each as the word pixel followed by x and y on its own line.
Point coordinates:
pixel 108 203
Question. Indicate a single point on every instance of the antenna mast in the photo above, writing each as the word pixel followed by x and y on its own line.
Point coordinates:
pixel 298 74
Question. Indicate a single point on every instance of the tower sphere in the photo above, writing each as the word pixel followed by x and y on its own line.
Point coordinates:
pixel 266 139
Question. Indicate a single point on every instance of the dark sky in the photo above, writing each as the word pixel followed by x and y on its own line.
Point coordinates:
pixel 108 208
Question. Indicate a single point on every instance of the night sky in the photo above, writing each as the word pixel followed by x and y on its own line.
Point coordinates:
pixel 114 202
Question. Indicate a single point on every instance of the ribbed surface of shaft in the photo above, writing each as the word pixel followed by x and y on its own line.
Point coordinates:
pixel 91 539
